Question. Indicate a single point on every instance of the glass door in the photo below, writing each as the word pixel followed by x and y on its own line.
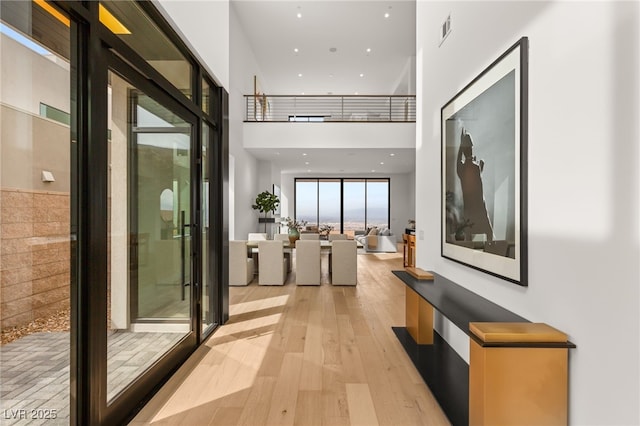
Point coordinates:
pixel 209 300
pixel 150 228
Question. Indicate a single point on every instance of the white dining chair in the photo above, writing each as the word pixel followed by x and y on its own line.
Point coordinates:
pixel 310 236
pixel 241 267
pixel 287 250
pixel 272 264
pixel 257 236
pixel 344 262
pixel 307 262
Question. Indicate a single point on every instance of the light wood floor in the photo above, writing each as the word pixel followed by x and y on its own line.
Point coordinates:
pixel 293 355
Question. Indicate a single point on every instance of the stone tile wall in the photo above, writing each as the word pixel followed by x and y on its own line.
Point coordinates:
pixel 34 255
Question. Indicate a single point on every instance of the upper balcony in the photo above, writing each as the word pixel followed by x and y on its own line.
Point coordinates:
pixel 330 108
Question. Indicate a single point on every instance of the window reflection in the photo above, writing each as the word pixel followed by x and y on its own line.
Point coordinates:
pixel 134 27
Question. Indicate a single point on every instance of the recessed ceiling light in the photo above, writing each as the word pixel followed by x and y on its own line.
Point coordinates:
pixel 382 163
pixel 306 163
pixel 368 50
pixel 386 15
pixel 392 155
pixel 299 15
pixel 373 170
pixel 361 75
pixel 308 170
pixel 299 75
pixel 296 50
pixel 356 93
pixel 302 93
pixel 304 154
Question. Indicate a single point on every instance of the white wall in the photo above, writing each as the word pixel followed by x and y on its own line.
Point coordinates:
pixel 583 181
pixel 29 78
pixel 402 196
pixel 330 135
pixel 205 27
pixel 402 202
pixel 243 67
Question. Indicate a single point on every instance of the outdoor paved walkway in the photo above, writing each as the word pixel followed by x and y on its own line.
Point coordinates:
pixel 34 373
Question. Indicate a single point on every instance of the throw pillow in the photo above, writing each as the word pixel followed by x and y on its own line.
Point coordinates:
pixel 373 231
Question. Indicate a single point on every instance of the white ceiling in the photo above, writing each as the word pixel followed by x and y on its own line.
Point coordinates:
pixel 351 27
pixel 340 161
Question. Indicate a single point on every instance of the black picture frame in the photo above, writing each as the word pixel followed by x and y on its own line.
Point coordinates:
pixel 484 169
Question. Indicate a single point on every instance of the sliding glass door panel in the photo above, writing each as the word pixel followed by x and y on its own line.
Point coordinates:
pixel 307 201
pixel 377 203
pixel 150 301
pixel 329 204
pixel 209 299
pixel 354 197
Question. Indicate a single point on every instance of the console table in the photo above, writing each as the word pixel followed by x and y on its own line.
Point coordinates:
pixel 448 375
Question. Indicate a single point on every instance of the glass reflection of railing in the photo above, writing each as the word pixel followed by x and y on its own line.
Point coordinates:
pixel 330 108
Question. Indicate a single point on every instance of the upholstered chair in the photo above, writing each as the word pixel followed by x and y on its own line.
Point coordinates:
pixel 241 267
pixel 308 262
pixel 287 251
pixel 257 236
pixel 309 236
pixel 335 237
pixel 344 262
pixel 272 264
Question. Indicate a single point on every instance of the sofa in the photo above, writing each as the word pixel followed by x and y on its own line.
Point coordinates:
pixel 378 240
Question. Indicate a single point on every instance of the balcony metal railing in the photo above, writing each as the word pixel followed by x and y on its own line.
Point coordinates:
pixel 330 108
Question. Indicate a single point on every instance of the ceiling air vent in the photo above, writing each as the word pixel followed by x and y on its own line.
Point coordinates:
pixel 445 29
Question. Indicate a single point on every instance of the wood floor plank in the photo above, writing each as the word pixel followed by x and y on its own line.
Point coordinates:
pixel 362 412
pixel 258 403
pixel 202 415
pixel 226 416
pixel 285 394
pixel 350 356
pixel 305 356
pixel 311 377
pixel 309 409
pixel 335 409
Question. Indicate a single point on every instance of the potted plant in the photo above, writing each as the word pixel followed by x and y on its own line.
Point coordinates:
pixel 266 203
pixel 294 228
pixel 325 229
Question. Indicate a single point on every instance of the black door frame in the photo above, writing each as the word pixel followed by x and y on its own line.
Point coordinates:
pixel 93 55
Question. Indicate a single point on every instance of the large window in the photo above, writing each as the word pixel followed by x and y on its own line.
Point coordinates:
pixel 349 205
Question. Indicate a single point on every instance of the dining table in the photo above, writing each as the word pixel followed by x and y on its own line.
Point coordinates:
pixel 288 247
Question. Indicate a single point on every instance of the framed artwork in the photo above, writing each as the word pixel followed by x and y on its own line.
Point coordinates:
pixel 276 192
pixel 484 169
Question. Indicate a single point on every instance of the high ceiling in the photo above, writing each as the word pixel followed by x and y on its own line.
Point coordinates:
pixel 350 27
pixel 274 31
